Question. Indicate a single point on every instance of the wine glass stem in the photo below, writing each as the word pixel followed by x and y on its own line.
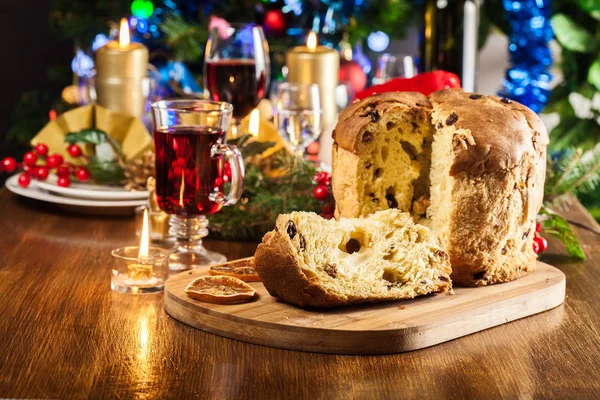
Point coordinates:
pixel 188 231
pixel 299 153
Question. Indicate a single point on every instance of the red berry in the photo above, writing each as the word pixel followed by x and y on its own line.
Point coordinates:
pixel 321 192
pixel 41 173
pixel 9 164
pixel 41 149
pixel 63 182
pixel 227 173
pixel 322 178
pixel 538 227
pixel 536 247
pixel 328 208
pixel 327 215
pixel 54 160
pixel 24 180
pixel 542 243
pixel 63 171
pixel 74 150
pixel 82 174
pixel 29 158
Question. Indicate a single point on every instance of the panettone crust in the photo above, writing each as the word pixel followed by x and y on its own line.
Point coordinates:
pixel 354 118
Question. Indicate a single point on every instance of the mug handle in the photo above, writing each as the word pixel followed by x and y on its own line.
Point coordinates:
pixel 237 173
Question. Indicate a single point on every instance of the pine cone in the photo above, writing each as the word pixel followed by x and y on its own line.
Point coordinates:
pixel 138 171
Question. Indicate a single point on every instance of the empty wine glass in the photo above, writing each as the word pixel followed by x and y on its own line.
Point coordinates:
pixel 298 114
pixel 389 67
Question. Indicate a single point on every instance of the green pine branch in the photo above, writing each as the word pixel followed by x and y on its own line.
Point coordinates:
pixel 265 197
pixel 558 227
pixel 573 173
pixel 186 39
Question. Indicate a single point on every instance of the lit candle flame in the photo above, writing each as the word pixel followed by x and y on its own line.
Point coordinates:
pixel 124 34
pixel 253 126
pixel 144 242
pixel 311 41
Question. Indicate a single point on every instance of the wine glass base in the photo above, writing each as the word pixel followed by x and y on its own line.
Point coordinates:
pixel 184 260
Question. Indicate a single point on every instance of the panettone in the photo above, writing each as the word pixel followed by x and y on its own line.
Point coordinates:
pixel 479 185
pixel 313 262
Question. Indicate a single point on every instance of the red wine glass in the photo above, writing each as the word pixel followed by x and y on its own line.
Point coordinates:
pixel 237 67
pixel 189 141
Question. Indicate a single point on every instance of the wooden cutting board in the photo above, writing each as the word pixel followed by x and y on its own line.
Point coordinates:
pixel 383 328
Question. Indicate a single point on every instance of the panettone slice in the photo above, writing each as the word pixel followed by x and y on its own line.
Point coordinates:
pixel 313 262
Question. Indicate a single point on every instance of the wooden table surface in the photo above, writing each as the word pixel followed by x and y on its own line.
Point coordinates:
pixel 65 334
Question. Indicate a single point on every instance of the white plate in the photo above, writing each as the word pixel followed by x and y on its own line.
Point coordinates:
pixel 75 204
pixel 89 191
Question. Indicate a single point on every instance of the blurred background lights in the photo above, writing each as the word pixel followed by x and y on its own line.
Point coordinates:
pixel 82 64
pixel 378 41
pixel 142 8
pixel 99 41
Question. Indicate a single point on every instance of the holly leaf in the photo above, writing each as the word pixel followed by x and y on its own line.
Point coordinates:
pixel 255 148
pixel 239 141
pixel 594 74
pixel 105 172
pixel 95 137
pixel 558 227
pixel 572 36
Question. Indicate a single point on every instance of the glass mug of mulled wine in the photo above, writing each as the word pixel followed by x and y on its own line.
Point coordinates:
pixel 189 142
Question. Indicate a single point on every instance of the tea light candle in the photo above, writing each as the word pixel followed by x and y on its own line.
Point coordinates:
pixel 141 269
pixel 316 64
pixel 121 69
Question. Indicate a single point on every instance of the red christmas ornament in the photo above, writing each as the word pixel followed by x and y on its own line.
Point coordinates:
pixel 54 160
pixel 352 73
pixel 63 182
pixel 29 159
pixel 321 192
pixel 63 171
pixel 9 164
pixel 41 149
pixel 41 173
pixel 274 22
pixel 425 83
pixel 24 180
pixel 538 227
pixel 82 174
pixel 74 150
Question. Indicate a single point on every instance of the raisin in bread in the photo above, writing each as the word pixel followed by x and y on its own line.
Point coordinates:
pixel 313 262
pixel 486 176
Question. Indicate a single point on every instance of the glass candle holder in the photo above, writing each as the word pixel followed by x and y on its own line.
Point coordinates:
pixel 131 274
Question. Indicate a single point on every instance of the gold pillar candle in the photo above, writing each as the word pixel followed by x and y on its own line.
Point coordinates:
pixel 316 64
pixel 121 70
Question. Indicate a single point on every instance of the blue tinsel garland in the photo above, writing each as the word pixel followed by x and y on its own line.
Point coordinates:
pixel 528 79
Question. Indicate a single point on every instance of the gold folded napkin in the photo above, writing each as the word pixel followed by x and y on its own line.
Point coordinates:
pixel 129 131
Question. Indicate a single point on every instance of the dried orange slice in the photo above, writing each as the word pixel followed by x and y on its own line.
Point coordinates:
pixel 243 269
pixel 220 290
